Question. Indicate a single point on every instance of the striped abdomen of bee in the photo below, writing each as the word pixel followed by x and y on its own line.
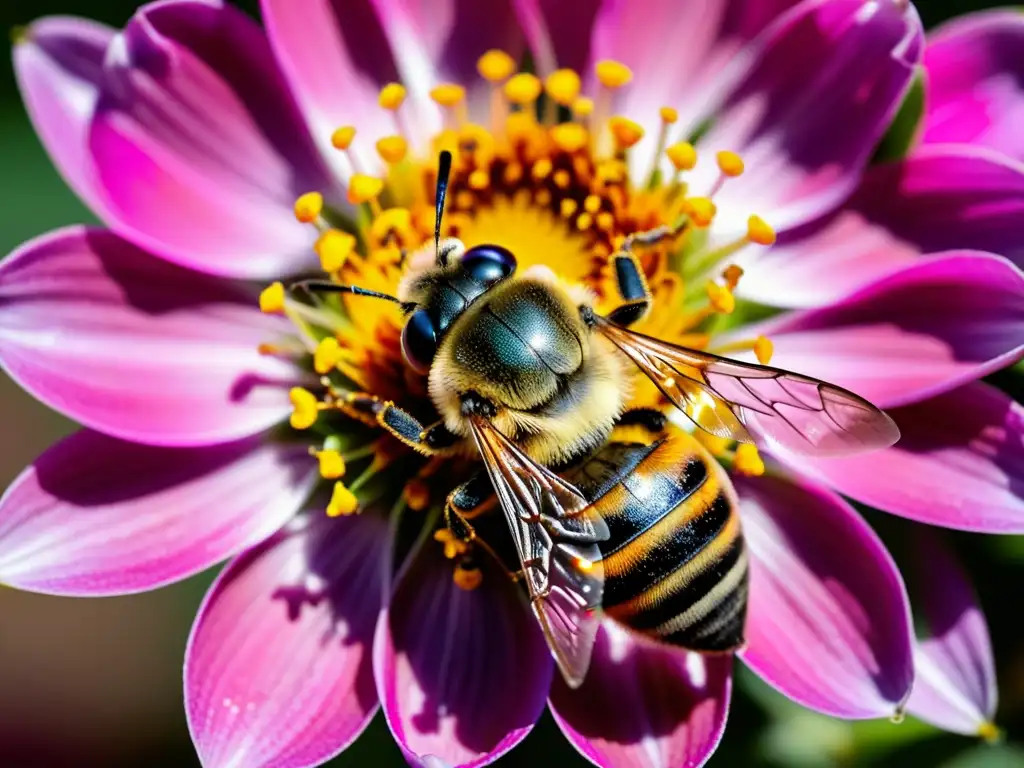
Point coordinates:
pixel 675 565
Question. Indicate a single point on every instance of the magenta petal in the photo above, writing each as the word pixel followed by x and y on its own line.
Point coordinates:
pixel 924 330
pixel 59 66
pixel 199 147
pixel 940 198
pixel 136 347
pixel 955 686
pixel 645 705
pixel 558 32
pixel 821 91
pixel 828 622
pixel 462 676
pixel 278 668
pixel 959 463
pixel 975 82
pixel 98 516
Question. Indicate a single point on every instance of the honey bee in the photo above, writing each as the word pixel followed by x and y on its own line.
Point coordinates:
pixel 523 369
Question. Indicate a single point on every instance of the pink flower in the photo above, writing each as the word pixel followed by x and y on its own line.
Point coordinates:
pixel 192 134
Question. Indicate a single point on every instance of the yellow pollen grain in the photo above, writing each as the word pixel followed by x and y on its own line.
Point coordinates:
pixel 729 163
pixel 305 407
pixel 592 204
pixel 626 132
pixel 334 247
pixel 668 115
pixel 613 74
pixel 605 221
pixel 453 547
pixel 308 207
pixel 569 137
pixel 448 94
pixel 416 494
pixel 563 86
pixel 683 156
pixel 541 169
pixel 467 579
pixel 584 221
pixel 272 298
pixel 495 66
pixel 583 106
pixel 701 210
pixel 391 96
pixel 721 298
pixel 748 461
pixel 562 178
pixel 732 275
pixel 568 208
pixel 392 149
pixel 362 188
pixel 327 355
pixel 523 88
pixel 763 349
pixel 759 231
pixel 343 502
pixel 479 179
pixel 332 464
pixel 343 137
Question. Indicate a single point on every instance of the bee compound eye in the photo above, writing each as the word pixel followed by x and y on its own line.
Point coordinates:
pixel 419 341
pixel 489 263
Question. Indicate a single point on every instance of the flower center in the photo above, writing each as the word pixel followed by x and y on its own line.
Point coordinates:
pixel 547 177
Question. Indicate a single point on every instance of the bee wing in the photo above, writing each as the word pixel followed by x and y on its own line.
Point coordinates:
pixel 556 536
pixel 732 399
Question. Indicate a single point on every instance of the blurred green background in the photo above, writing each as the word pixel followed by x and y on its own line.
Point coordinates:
pixel 98 682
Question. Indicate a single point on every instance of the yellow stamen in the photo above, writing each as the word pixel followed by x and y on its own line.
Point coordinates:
pixel 732 275
pixel 495 66
pixel 764 349
pixel 448 94
pixel 392 149
pixel 748 461
pixel 467 578
pixel 391 96
pixel 989 732
pixel 592 204
pixel 584 221
pixel 701 210
pixel 362 188
pixel 626 132
pixel 272 299
pixel 306 408
pixel 759 231
pixel 729 163
pixel 334 247
pixel 613 74
pixel 605 221
pixel 479 179
pixel 522 89
pixel 568 207
pixel 683 156
pixel 332 464
pixel 453 547
pixel 394 222
pixel 343 502
pixel 327 355
pixel 569 137
pixel 541 169
pixel 563 86
pixel 342 138
pixel 668 115
pixel 583 106
pixel 416 494
pixel 308 207
pixel 721 298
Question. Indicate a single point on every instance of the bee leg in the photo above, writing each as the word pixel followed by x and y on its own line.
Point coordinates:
pixel 629 276
pixel 473 498
pixel 429 440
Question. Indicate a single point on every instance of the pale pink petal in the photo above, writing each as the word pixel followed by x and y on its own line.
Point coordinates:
pixel 821 92
pixel 975 82
pixel 58 62
pixel 924 330
pixel 98 516
pixel 955 686
pixel 462 676
pixel 199 146
pixel 645 705
pixel 277 671
pixel 940 198
pixel 828 622
pixel 959 463
pixel 136 347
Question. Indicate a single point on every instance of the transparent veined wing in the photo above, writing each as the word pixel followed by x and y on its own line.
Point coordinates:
pixel 733 399
pixel 556 536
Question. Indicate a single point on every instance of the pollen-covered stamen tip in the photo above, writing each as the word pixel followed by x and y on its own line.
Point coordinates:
pixel 343 502
pixel 416 494
pixel 309 207
pixel 327 355
pixel 467 577
pixel 334 247
pixel 332 464
pixel 305 408
pixel 523 89
pixel 272 299
pixel 747 460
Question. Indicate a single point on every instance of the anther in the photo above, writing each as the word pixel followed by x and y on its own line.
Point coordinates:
pixel 308 207
pixel 562 178
pixel 626 132
pixel 729 163
pixel 391 96
pixel 467 578
pixel 721 298
pixel 763 349
pixel 416 494
pixel 668 115
pixel 305 406
pixel 583 106
pixel 541 169
pixel 569 137
pixel 701 210
pixel 522 89
pixel 453 547
pixel 392 149
pixel 342 138
pixel 563 86
pixel 332 464
pixel 272 298
pixel 343 501
pixel 592 204
pixel 448 94
pixel 479 179
pixel 759 231
pixel 683 156
pixel 613 74
pixel 605 221
pixel 568 207
pixel 732 275
pixel 327 355
pixel 334 247
pixel 362 188
pixel 495 66
pixel 584 222
pixel 748 461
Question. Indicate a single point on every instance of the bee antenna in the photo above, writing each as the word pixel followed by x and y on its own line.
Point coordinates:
pixel 444 169
pixel 322 286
